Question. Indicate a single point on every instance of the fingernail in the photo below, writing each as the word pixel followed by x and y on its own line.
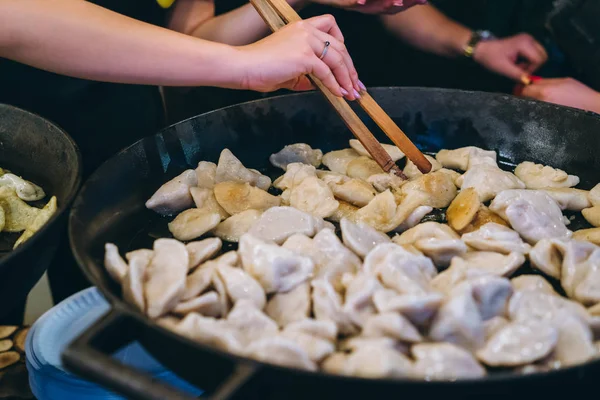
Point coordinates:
pixel 344 92
pixel 362 2
pixel 362 86
pixel 356 94
pixel 398 3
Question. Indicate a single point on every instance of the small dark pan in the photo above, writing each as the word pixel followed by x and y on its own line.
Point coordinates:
pixel 42 153
pixel 110 207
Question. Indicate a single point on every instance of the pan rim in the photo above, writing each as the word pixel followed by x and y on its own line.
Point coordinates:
pixel 119 305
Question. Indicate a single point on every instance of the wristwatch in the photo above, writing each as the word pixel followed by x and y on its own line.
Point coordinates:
pixel 476 37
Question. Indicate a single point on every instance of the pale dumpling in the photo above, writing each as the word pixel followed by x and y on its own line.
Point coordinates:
pixel 294 175
pixel 383 182
pixel 279 223
pixel 466 157
pixel 354 191
pixel 174 196
pixel 277 269
pixel 362 168
pixel 417 308
pixel 491 262
pixel 296 153
pixel 445 362
pixel 393 151
pixel 497 238
pixel 288 307
pixel 327 306
pixel 230 169
pixel 313 196
pixel 533 214
pixel 380 213
pixel 360 237
pixel 236 197
pixel 538 176
pixel 569 198
pixel 488 181
pixel 205 200
pixel 235 226
pixel 337 161
pixel 193 223
pixel 206 173
pixel 438 186
pixel 412 172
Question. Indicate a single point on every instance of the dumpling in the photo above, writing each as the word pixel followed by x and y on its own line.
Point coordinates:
pixel 193 223
pixel 201 278
pixel 240 285
pixel 250 322
pixel 592 215
pixel 391 325
pixel 438 187
pixel 417 308
pixel 174 196
pixel 594 195
pixel 277 269
pixel 207 304
pixel 279 223
pixel 361 238
pixel 204 199
pixel 412 172
pixel 206 173
pixel 534 283
pixel 230 169
pixel 427 230
pixel 441 251
pixel 133 281
pixel 575 340
pixel 286 308
pixel 332 259
pixel 24 189
pixel 463 209
pixel 374 359
pixel 488 181
pixel 354 191
pixel 236 197
pixel 493 263
pixel 547 256
pixel 588 235
pixel 497 238
pixel 362 168
pixel 313 196
pixel 529 305
pixel 383 182
pixel 533 214
pixel 359 292
pixel 165 277
pixel 466 157
pixel 322 329
pixel 345 210
pixel 519 343
pixel 327 306
pixel 414 218
pixel 235 226
pixel 296 153
pixel 316 348
pixel 569 198
pixel 337 161
pixel 484 216
pixel 380 213
pixel 457 273
pixel 393 151
pixel 445 362
pixel 491 294
pixel 538 176
pixel 459 321
pixel 493 326
pixel 399 269
pixel 114 263
pixel 202 250
pixel 294 175
pixel 210 331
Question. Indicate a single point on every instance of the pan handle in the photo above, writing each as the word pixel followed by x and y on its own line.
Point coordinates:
pixel 89 357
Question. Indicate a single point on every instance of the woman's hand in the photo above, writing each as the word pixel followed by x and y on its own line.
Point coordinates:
pixel 513 57
pixel 283 59
pixel 375 6
pixel 565 91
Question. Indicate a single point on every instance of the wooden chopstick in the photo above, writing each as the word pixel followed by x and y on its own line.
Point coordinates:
pixel 276 14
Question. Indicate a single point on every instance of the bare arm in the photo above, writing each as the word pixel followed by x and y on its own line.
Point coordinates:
pixel 80 39
pixel 238 27
pixel 428 29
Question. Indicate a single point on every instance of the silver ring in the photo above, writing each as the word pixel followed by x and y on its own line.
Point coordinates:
pixel 324 53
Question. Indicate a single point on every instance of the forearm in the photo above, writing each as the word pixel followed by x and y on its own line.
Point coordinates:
pixel 238 27
pixel 79 39
pixel 428 29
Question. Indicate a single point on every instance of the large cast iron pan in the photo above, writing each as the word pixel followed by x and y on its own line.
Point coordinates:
pixel 111 207
pixel 41 152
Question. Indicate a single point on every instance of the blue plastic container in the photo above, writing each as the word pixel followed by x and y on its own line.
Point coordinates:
pixel 51 333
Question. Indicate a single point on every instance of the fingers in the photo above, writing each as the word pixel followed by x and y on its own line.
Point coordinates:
pixel 343 51
pixel 336 63
pixel 326 23
pixel 532 51
pixel 534 91
pixel 325 75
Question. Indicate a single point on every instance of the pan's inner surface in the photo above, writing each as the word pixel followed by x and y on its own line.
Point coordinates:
pixel 110 207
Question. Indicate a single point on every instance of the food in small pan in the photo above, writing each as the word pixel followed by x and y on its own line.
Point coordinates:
pixel 16 215
pixel 394 294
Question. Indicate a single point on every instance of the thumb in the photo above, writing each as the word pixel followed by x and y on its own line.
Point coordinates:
pixel 511 71
pixel 299 84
